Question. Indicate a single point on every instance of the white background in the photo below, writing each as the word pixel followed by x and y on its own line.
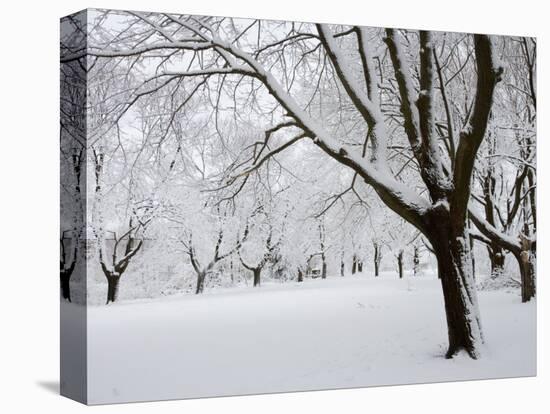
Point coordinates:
pixel 29 205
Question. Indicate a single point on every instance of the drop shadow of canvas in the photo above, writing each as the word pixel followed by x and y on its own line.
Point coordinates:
pixel 50 386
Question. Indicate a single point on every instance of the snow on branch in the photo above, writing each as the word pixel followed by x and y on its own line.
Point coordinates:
pixel 138 51
pixel 488 75
pixel 509 243
pixel 342 66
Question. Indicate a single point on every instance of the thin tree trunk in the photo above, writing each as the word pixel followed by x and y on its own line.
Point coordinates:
pixel 342 265
pixel 354 265
pixel 323 256
pixel 416 261
pixel 400 263
pixel 472 254
pixel 360 266
pixel 376 260
pixel 532 197
pixel 323 266
pixel 300 275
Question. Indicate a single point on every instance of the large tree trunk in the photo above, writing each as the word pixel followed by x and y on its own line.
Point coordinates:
pixel 113 280
pixel 400 263
pixel 360 266
pixel 354 265
pixel 459 293
pixel 300 275
pixel 257 274
pixel 65 276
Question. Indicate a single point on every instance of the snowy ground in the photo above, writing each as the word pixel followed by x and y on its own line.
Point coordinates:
pixel 320 334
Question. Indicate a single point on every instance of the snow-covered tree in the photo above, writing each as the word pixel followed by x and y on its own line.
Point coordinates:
pixel 344 114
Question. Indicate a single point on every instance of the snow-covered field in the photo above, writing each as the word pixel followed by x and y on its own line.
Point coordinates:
pixel 320 334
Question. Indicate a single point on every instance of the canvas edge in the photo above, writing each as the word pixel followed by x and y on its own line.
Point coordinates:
pixel 73 316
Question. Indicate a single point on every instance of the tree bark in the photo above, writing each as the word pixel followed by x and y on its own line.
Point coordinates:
pixel 201 276
pixel 232 275
pixel 473 256
pixel 527 271
pixel 416 261
pixel 455 271
pixel 342 265
pixel 360 266
pixel 377 258
pixel 65 276
pixel 354 265
pixel 300 275
pixel 526 258
pixel 257 275
pixel 400 263
pixel 324 270
pixel 112 287
pixel 532 197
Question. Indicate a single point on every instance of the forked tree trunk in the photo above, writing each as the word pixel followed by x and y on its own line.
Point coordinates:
pixel 257 275
pixel 400 263
pixel 113 280
pixel 65 276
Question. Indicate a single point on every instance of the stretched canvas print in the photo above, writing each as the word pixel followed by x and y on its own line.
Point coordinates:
pixel 253 206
